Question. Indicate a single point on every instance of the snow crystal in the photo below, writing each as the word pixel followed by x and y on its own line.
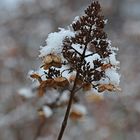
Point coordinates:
pixel 47 111
pixel 54 42
pixel 113 76
pixel 26 92
pixel 79 108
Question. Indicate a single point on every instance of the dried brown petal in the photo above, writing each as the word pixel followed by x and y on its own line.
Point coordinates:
pixel 46 66
pixel 47 59
pixel 36 76
pixel 106 66
pixel 56 59
pixel 47 83
pixel 58 65
pixel 52 60
pixel 104 87
pixel 61 81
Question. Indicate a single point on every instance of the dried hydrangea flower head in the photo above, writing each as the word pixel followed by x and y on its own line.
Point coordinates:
pixel 90 53
pixel 80 57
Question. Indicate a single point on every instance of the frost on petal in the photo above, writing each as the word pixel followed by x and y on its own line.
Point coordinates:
pixel 54 42
pixel 113 76
pixel 47 111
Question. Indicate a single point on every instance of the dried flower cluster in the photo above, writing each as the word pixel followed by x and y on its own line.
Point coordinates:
pixel 79 59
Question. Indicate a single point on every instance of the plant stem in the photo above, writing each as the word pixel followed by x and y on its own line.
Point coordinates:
pixel 64 123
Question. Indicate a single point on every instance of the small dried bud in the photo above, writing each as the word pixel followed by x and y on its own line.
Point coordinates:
pixel 106 66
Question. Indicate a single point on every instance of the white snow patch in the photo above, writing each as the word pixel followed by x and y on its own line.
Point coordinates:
pixel 113 76
pixel 77 48
pixel 92 58
pixel 54 42
pixel 112 58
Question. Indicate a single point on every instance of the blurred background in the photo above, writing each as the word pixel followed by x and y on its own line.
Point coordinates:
pixel 24 26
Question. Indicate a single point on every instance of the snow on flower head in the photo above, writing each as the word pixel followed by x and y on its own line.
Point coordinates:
pixel 54 42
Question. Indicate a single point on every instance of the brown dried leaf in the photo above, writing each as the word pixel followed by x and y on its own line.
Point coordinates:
pixel 36 76
pixel 42 88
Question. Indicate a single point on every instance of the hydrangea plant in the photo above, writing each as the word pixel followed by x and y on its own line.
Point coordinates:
pixel 76 60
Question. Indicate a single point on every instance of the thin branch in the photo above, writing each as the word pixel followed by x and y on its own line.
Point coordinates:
pixel 64 123
pixel 76 51
pixel 89 54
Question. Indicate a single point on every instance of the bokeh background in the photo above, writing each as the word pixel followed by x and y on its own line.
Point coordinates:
pixel 24 26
